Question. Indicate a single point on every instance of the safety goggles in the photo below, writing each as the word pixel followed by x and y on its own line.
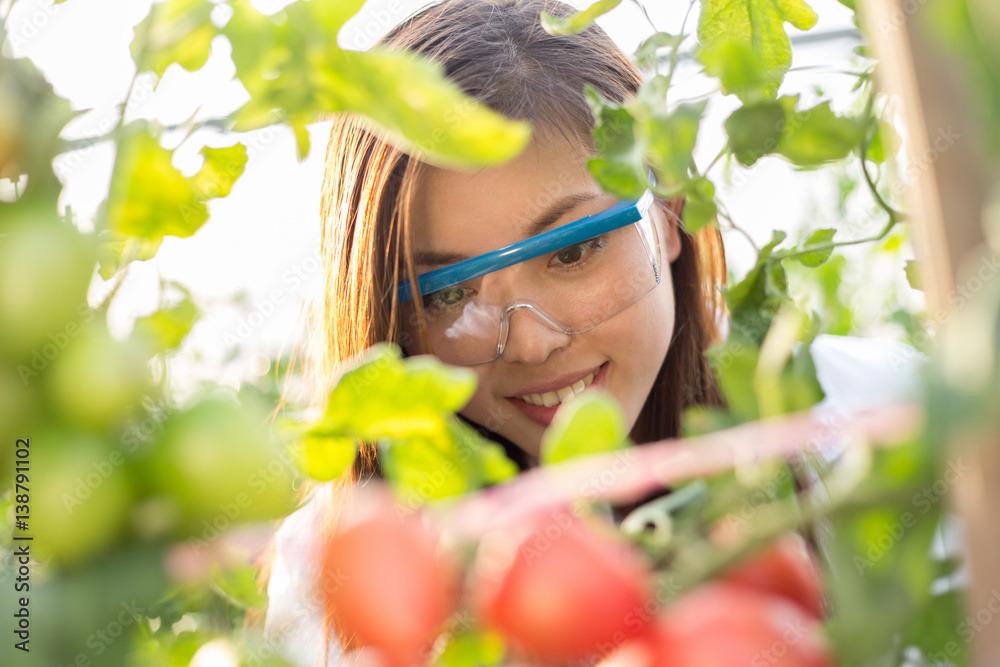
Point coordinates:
pixel 570 278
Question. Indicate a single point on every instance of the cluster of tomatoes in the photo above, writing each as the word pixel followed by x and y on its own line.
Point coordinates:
pixel 561 592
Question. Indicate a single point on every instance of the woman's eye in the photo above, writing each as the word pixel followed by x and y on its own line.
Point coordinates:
pixel 578 252
pixel 447 297
pixel 570 255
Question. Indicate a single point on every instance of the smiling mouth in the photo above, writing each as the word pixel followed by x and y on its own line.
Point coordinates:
pixel 563 395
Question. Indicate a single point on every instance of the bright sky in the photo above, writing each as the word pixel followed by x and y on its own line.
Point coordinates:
pixel 262 240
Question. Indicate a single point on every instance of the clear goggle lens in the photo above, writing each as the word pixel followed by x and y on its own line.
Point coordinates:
pixel 571 289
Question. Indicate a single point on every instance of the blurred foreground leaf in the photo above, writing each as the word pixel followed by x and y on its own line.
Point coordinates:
pixel 295 72
pixel 152 199
pixel 592 423
pixel 578 22
pixel 756 29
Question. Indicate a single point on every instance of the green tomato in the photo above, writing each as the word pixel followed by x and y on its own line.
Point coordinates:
pixel 79 495
pixel 45 269
pixel 97 379
pixel 218 464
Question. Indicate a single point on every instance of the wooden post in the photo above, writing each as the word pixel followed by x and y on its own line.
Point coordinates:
pixel 947 198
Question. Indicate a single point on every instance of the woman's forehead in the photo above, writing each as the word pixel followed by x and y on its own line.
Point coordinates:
pixel 473 212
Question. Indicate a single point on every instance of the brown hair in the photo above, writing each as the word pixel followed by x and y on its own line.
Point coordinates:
pixel 498 53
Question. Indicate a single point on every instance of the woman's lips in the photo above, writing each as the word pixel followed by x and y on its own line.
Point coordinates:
pixel 543 415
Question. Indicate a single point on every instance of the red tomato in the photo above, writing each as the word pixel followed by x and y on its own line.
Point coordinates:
pixel 566 593
pixel 383 582
pixel 785 569
pixel 723 625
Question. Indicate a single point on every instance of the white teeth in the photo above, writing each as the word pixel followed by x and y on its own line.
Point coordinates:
pixel 564 395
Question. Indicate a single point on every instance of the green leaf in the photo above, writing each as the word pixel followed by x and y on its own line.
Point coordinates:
pixel 385 396
pixel 885 144
pixel 738 70
pixel 936 630
pixel 221 170
pixel 800 387
pixel 817 136
pixel 755 130
pixel 238 586
pixel 325 457
pixel 756 29
pixel 485 462
pixel 881 573
pixel 579 21
pixel 167 327
pixel 302 141
pixel 737 295
pixel 912 269
pixel 699 209
pixel 473 649
pixel 815 258
pixel 428 113
pixel 619 166
pixel 591 423
pixel 733 365
pixel 424 469
pixel 175 31
pixel 755 300
pixel 407 406
pixel 646 55
pixel 151 199
pixel 295 73
pixel 669 142
pixel 117 250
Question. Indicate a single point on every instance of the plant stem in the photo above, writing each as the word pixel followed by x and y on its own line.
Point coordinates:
pixel 645 13
pixel 736 228
pixel 129 253
pixel 140 36
pixel 894 215
pixel 715 160
pixel 675 50
pixel 812 507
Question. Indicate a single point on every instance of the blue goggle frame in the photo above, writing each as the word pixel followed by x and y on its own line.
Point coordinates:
pixel 623 213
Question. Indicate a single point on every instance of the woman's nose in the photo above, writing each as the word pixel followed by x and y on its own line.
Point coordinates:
pixel 529 339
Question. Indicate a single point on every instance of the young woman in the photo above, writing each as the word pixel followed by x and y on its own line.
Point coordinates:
pixel 630 309
pixel 387 217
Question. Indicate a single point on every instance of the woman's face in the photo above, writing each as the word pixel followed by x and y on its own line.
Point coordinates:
pixel 472 213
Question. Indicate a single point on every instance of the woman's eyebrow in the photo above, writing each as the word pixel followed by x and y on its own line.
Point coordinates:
pixel 556 210
pixel 546 219
pixel 434 258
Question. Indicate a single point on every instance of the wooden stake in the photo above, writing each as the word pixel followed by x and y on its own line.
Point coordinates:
pixel 947 198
